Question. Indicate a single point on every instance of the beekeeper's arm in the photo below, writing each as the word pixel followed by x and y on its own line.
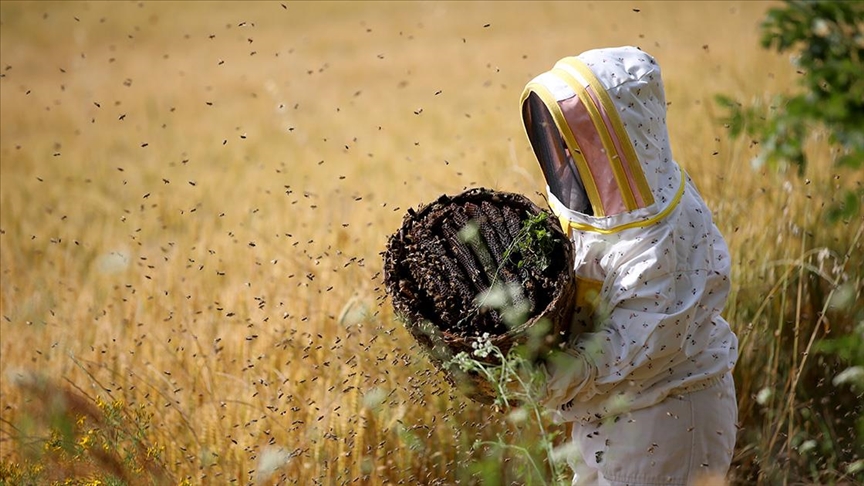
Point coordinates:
pixel 641 329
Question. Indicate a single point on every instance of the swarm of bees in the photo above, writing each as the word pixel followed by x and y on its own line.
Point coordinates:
pixel 481 265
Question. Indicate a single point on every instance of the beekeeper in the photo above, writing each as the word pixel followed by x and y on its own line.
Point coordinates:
pixel 646 383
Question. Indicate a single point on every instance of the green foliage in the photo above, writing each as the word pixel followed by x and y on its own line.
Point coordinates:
pixel 535 242
pixel 828 41
pixel 848 206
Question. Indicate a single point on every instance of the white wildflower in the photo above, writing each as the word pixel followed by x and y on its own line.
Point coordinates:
pixel 482 346
pixel 764 395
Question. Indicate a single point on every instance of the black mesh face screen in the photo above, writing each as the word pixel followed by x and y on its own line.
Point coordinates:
pixel 554 157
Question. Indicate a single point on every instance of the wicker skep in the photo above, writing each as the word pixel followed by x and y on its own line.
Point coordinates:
pixel 457 248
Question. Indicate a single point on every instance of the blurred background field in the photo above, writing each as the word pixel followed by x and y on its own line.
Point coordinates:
pixel 194 197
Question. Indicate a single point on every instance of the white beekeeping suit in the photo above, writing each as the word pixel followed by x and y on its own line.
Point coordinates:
pixel 646 383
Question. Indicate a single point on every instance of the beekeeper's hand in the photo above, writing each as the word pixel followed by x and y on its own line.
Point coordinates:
pixel 567 374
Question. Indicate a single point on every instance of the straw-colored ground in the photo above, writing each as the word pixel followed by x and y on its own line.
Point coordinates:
pixel 194 198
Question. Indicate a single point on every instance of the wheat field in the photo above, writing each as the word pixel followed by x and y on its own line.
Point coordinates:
pixel 195 197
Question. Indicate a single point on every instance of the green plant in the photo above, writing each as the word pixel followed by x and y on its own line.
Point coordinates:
pixel 827 39
pixel 535 242
pixel 518 381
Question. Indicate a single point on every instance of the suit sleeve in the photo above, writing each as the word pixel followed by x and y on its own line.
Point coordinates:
pixel 642 326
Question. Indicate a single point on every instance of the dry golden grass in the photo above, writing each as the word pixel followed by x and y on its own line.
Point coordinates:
pixel 194 198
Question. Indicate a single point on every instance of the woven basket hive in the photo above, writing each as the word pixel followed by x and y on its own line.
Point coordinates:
pixel 450 251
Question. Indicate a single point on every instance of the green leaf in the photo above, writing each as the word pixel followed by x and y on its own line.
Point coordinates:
pixel 847 208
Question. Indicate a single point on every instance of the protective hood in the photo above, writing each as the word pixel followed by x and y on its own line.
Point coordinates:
pixel 597 124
